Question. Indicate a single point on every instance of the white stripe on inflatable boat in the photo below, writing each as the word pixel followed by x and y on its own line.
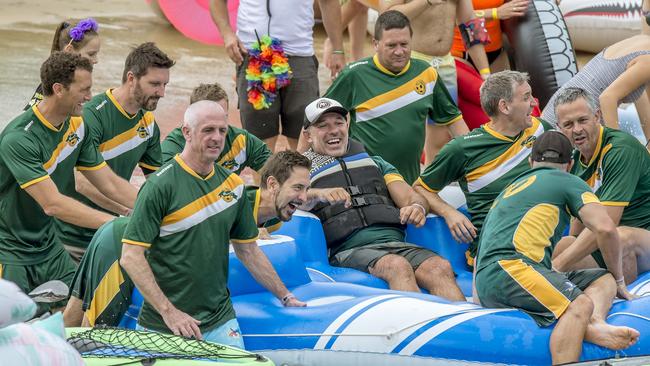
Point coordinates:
pixel 336 324
pixel 504 168
pixel 642 289
pixel 375 330
pixel 275 239
pixel 445 325
pixel 309 215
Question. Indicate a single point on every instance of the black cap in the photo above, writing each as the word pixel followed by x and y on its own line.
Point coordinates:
pixel 552 147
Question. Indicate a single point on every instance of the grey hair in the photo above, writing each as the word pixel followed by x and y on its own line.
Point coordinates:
pixel 196 111
pixel 570 95
pixel 499 86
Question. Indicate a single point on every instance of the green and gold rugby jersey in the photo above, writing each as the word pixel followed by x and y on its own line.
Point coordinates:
pixel 388 112
pixel 124 142
pixel 619 174
pixel 102 285
pixel 32 150
pixel 254 196
pixel 187 232
pixel 241 149
pixel 483 162
pixel 530 215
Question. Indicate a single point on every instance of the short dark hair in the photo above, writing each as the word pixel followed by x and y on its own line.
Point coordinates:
pixel 213 92
pixel 143 57
pixel 280 165
pixel 391 19
pixel 60 68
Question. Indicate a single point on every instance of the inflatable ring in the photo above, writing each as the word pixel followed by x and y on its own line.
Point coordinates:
pixel 596 24
pixel 540 46
pixel 192 18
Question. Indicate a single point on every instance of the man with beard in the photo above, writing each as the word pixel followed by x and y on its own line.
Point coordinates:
pixel 285 180
pixel 187 232
pixel 38 151
pixel 122 127
pixel 363 204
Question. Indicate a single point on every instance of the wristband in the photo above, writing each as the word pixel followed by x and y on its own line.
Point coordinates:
pixel 338 52
pixel 495 15
pixel 286 298
pixel 621 281
pixel 479 13
pixel 424 210
pixel 484 71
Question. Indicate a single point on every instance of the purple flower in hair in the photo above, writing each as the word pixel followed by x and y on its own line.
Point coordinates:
pixel 77 32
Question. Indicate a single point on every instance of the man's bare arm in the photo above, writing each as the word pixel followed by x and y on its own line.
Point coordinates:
pixel 65 208
pixel 460 226
pixel 136 265
pixel 112 186
pixel 84 187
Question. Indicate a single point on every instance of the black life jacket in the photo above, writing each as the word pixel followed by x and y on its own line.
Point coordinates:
pixel 371 201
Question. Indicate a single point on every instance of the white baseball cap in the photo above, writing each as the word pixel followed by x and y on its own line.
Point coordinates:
pixel 320 106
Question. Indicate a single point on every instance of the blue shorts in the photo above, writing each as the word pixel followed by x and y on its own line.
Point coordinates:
pixel 227 334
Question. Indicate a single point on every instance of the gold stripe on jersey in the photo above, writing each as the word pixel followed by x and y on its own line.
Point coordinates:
pixel 138 243
pixel 596 150
pixel 393 177
pixel 419 181
pixel 70 140
pixel 381 67
pixel 145 122
pixel 108 288
pixel 96 167
pixel 595 181
pixel 34 181
pixel 238 145
pixel 536 285
pixel 494 169
pixel 190 170
pixel 426 76
pixel 535 230
pixel 256 205
pixel 147 166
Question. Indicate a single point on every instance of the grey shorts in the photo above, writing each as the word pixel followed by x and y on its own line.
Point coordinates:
pixel 288 109
pixel 365 257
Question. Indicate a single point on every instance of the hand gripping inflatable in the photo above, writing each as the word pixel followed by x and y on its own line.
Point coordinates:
pixel 596 24
pixel 540 46
pixel 193 19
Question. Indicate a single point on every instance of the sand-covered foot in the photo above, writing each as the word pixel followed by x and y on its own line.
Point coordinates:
pixel 612 337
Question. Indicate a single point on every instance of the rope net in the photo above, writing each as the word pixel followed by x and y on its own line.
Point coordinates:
pixel 128 343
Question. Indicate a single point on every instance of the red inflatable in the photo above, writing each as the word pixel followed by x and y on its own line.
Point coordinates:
pixel 193 19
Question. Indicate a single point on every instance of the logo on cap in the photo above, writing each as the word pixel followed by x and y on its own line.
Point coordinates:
pixel 323 104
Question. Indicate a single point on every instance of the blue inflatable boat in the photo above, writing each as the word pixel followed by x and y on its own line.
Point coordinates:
pixel 351 319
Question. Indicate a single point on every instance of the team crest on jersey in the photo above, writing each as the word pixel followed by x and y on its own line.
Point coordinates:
pixel 72 139
pixel 228 196
pixel 529 141
pixel 420 87
pixel 230 164
pixel 142 132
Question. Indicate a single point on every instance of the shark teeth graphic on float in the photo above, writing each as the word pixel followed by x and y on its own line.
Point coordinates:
pixel 596 24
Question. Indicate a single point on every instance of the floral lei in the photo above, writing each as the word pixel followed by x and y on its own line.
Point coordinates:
pixel 268 71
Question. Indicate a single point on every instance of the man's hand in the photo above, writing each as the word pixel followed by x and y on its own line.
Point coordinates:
pixel 514 8
pixel 294 303
pixel 182 324
pixel 335 63
pixel 461 228
pixel 623 293
pixel 334 196
pixel 263 234
pixel 236 50
pixel 412 214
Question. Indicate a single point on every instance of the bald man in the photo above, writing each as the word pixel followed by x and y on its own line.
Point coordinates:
pixel 189 230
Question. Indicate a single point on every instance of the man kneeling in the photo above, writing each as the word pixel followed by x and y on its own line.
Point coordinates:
pixel 364 203
pixel 514 256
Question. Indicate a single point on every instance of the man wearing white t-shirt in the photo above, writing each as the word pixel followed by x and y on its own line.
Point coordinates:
pixel 290 21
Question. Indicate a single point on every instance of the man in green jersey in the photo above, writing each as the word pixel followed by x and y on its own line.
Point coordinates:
pixel 101 289
pixel 617 168
pixel 241 149
pixel 122 127
pixel 514 256
pixel 39 150
pixel 363 204
pixel 485 160
pixel 187 233
pixel 391 95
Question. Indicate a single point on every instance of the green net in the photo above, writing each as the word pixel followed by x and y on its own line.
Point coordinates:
pixel 135 344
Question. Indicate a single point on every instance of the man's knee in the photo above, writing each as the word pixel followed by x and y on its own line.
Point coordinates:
pixel 581 308
pixel 436 266
pixel 391 266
